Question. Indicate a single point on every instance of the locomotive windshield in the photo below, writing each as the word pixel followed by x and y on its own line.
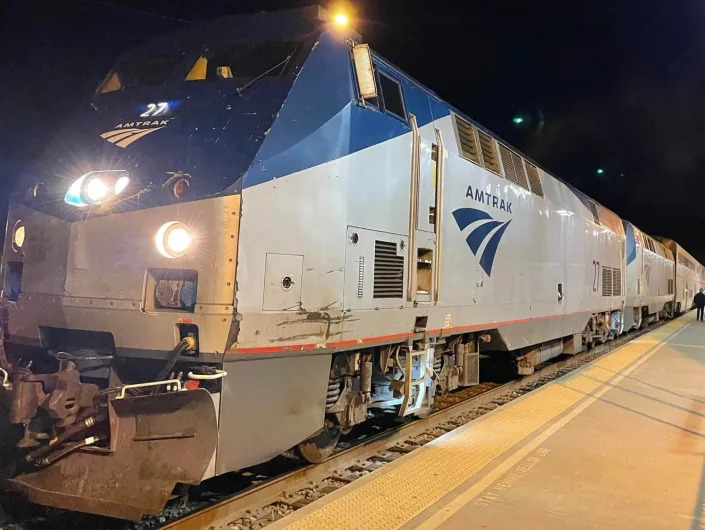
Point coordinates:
pixel 244 61
pixel 239 61
pixel 147 71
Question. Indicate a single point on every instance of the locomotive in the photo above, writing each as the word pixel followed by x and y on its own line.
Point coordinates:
pixel 258 234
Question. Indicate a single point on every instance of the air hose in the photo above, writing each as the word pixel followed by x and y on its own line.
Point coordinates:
pixel 64 436
pixel 57 455
pixel 186 344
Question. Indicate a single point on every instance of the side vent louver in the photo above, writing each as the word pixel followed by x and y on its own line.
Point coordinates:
pixel 616 282
pixel 534 180
pixel 513 167
pixel 489 152
pixel 467 140
pixel 389 271
pixel 485 154
pixel 606 281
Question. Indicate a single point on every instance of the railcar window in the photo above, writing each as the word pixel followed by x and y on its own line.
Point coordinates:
pixel 392 96
pixel 144 71
pixel 244 60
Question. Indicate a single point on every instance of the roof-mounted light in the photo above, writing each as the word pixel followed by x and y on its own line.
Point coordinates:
pixel 96 187
pixel 341 20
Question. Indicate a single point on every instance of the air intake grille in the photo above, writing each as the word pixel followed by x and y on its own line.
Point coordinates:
pixel 389 271
pixel 489 152
pixel 606 281
pixel 534 180
pixel 686 262
pixel 616 282
pixel 513 167
pixel 670 286
pixel 468 142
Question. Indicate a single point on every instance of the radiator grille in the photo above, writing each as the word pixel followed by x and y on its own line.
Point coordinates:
pixel 534 180
pixel 489 152
pixel 616 282
pixel 670 286
pixel 467 139
pixel 389 271
pixel 606 281
pixel 513 166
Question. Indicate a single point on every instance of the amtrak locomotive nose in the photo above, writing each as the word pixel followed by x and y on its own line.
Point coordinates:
pixel 119 270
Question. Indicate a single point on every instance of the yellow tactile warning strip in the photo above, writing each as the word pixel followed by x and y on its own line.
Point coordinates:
pixel 415 482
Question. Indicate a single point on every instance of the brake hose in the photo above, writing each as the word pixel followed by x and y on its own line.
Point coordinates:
pixel 186 344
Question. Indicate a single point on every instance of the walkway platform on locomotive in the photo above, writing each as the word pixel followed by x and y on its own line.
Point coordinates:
pixel 619 443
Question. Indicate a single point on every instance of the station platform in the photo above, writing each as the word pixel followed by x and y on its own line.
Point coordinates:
pixel 619 443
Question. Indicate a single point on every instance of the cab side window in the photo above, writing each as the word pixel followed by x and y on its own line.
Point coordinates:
pixel 392 96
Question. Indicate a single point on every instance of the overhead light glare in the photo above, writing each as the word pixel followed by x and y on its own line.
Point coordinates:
pixel 341 20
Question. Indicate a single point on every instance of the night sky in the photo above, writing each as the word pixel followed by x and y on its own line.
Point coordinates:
pixel 614 85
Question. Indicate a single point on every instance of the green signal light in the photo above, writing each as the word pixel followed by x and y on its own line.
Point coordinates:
pixel 518 120
pixel 600 171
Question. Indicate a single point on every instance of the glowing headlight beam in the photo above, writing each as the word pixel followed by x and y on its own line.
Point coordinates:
pixel 96 190
pixel 96 187
pixel 178 240
pixel 121 184
pixel 173 239
pixel 18 236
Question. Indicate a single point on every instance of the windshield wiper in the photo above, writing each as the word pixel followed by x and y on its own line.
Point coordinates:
pixel 282 63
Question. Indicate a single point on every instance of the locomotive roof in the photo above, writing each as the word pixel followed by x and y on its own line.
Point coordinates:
pixel 262 26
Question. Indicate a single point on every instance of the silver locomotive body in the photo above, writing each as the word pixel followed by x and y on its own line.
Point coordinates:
pixel 350 243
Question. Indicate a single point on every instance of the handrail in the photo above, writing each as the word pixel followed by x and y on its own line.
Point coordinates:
pixel 413 206
pixel 440 173
pixel 219 374
pixel 125 388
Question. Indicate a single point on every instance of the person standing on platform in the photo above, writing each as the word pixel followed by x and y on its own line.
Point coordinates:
pixel 700 304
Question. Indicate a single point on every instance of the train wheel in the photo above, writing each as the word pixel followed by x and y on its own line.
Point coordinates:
pixel 320 446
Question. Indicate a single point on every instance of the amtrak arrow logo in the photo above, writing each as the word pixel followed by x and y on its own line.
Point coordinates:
pixel 485 229
pixel 124 137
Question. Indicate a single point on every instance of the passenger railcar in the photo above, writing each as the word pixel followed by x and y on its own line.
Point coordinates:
pixel 688 276
pixel 256 236
pixel 650 279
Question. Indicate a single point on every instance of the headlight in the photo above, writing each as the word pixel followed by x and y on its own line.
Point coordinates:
pixel 18 236
pixel 173 239
pixel 96 187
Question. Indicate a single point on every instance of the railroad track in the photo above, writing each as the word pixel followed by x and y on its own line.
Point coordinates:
pixel 262 504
